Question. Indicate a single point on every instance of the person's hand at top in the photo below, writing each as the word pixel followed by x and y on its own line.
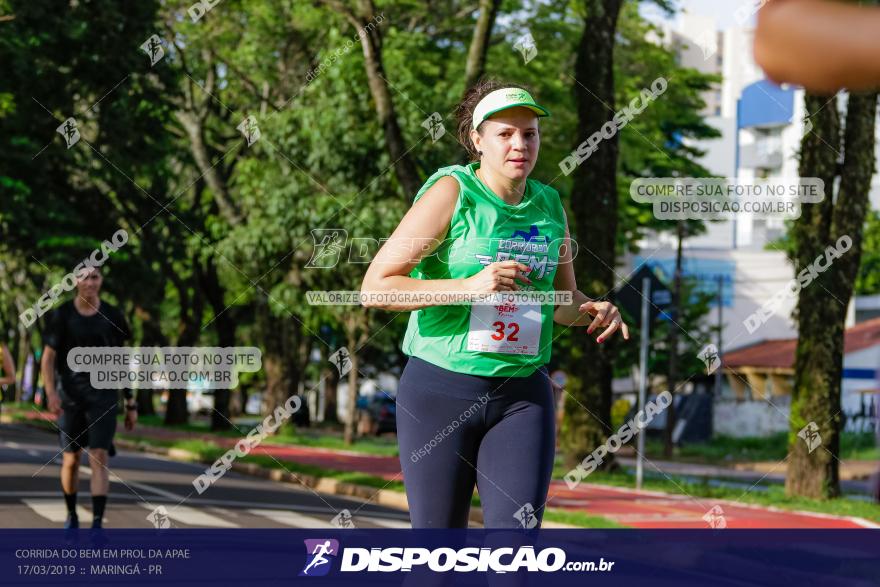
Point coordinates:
pixel 821 45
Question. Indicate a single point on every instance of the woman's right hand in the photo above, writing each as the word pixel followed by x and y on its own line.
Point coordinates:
pixel 498 276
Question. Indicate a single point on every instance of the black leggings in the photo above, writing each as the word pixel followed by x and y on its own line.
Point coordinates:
pixel 455 429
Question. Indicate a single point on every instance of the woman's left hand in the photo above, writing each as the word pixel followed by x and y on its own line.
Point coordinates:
pixel 606 314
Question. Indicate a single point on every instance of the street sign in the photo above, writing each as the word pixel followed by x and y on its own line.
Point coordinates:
pixel 629 294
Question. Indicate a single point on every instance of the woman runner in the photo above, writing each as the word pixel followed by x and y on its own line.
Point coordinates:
pixel 475 403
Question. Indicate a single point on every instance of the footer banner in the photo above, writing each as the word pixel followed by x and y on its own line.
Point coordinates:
pixel 215 558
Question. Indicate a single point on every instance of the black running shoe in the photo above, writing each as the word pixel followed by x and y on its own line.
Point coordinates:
pixel 72 522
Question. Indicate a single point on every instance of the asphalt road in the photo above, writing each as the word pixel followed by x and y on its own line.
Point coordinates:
pixel 30 493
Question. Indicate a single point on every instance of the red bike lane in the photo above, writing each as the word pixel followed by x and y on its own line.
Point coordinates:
pixel 637 509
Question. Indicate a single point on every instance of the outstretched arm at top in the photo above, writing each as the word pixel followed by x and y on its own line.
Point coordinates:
pixel 821 45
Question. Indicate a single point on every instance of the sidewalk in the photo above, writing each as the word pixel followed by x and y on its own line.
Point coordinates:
pixel 638 509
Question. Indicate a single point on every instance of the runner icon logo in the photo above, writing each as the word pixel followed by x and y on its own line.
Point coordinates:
pixel 343 520
pixel 810 435
pixel 715 518
pixel 526 516
pixel 319 553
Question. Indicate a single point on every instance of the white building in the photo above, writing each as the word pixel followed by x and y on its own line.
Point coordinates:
pixel 761 126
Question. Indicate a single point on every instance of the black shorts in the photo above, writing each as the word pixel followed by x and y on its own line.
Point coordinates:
pixel 88 420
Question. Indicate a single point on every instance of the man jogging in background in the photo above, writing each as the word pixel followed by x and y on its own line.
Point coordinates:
pixel 87 415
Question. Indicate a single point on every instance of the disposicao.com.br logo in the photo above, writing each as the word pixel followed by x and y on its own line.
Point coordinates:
pixel 321 552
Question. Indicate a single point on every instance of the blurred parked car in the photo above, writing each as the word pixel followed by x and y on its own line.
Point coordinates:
pixel 377 414
pixel 199 399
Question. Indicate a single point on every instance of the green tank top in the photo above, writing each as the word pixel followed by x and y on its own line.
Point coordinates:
pixel 484 229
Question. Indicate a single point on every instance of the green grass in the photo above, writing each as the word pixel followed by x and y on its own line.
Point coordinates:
pixel 772 496
pixel 724 449
pixel 208 451
pixel 369 445
pixel 20 406
pixel 381 446
pixel 579 519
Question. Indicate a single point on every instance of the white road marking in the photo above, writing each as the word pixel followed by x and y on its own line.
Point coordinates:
pixel 55 510
pixel 387 522
pixel 192 516
pixel 291 518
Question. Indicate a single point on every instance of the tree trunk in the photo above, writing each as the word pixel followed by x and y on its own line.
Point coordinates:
pixel 191 316
pixel 152 335
pixel 224 325
pixel 24 349
pixel 476 60
pixel 330 377
pixel 272 332
pixel 587 423
pixel 816 422
pixel 371 43
pixel 356 326
pixel 351 418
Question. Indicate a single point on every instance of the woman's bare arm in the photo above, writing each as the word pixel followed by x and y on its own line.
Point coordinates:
pixel 418 235
pixel 821 45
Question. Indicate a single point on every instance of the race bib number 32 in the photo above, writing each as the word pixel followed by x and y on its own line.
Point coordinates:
pixel 508 327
